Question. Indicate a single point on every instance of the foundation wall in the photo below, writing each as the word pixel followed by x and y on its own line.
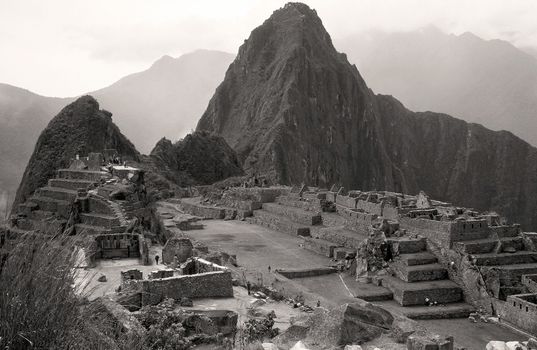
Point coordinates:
pixel 521 313
pixel 204 285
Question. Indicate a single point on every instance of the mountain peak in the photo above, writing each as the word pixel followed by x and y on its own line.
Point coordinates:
pixel 163 61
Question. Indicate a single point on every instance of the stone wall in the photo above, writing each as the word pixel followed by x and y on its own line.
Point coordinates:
pixel 469 230
pixel 370 207
pixel 118 245
pixel 521 311
pixel 319 246
pixel 446 232
pixel 180 247
pixel 505 231
pixel 530 281
pixel 300 273
pixel 144 250
pixel 201 210
pixel 346 201
pixel 205 285
pixel 357 220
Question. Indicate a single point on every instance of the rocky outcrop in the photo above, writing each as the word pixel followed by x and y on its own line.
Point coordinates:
pixel 295 109
pixel 80 128
pixel 199 158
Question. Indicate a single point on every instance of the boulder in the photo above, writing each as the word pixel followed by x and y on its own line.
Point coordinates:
pixel 403 327
pixel 257 303
pixel 515 345
pixel 269 346
pixel 358 322
pixel 353 347
pixel 496 345
pixel 299 346
pixel 102 278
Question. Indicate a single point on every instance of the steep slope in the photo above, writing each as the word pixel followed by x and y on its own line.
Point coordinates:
pixel 294 108
pixel 80 128
pixel 23 115
pixel 166 99
pixel 490 82
pixel 199 158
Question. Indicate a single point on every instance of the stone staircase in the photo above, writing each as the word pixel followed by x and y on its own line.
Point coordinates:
pixel 49 208
pixel 418 279
pixel 505 252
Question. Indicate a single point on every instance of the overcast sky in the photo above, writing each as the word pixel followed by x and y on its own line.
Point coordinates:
pixel 68 47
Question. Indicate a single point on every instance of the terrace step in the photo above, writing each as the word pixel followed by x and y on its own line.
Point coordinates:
pixel 97 219
pixel 442 291
pixel 70 184
pixel 58 206
pixel 520 257
pixel 91 175
pixel 453 310
pixel 338 235
pixel 308 204
pixel 294 214
pixel 406 245
pixel 333 219
pixel 510 275
pixel 41 215
pixel 487 245
pixel 418 273
pixel 57 193
pixel 320 246
pixel 100 206
pixel 50 227
pixel 420 258
pixel 278 223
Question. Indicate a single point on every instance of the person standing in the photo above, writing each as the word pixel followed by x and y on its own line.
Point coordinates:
pixel 156 259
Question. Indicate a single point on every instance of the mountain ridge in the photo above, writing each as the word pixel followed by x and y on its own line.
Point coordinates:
pixel 303 114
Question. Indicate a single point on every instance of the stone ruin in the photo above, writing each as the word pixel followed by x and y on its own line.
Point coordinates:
pixel 194 278
pixel 176 251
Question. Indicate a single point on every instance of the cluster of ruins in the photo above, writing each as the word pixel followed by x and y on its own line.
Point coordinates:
pixel 434 259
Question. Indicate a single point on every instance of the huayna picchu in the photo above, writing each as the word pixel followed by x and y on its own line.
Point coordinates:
pixel 294 108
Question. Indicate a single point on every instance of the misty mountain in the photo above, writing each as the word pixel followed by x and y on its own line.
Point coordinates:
pixel 167 99
pixel 23 115
pixel 490 82
pixel 295 109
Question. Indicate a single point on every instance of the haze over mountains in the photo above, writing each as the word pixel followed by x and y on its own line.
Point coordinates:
pixel 488 82
pixel 294 108
pixel 165 100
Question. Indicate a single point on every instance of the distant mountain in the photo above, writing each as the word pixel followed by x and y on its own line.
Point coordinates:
pixel 483 81
pixel 295 109
pixel 23 115
pixel 199 158
pixel 80 128
pixel 167 99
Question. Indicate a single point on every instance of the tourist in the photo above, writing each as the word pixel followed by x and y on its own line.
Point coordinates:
pixel 248 286
pixel 269 269
pixel 156 259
